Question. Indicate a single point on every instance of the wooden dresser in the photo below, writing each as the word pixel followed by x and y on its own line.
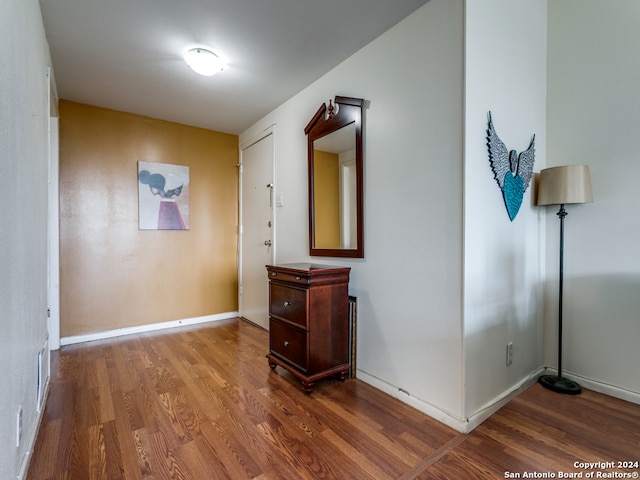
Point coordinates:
pixel 309 320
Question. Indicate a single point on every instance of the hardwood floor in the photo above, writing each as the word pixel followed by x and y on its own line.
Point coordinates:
pixel 201 403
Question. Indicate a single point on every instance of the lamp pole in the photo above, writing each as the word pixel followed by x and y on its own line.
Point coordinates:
pixel 556 382
pixel 561 214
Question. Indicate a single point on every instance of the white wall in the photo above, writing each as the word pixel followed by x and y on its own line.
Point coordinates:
pixel 506 74
pixel 448 280
pixel 23 220
pixel 409 285
pixel 593 105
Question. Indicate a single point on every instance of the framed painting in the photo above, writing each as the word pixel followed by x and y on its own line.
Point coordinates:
pixel 163 196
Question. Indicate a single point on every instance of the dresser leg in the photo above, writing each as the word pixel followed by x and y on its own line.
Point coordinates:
pixel 308 386
pixel 343 375
pixel 272 365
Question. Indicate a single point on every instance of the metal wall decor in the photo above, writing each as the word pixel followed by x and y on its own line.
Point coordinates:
pixel 513 172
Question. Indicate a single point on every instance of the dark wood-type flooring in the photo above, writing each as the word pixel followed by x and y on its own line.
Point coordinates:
pixel 201 403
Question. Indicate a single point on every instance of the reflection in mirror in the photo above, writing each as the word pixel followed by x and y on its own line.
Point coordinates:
pixel 335 179
pixel 334 166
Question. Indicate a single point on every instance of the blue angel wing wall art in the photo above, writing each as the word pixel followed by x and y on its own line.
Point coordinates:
pixel 513 172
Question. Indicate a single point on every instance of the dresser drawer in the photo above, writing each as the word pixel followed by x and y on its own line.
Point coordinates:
pixel 289 277
pixel 289 343
pixel 288 303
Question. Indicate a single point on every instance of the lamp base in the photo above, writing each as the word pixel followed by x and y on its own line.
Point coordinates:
pixel 560 384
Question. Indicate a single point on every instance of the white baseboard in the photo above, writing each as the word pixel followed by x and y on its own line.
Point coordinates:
pixel 449 419
pixel 33 436
pixel 600 387
pixel 501 400
pixel 462 425
pixel 466 425
pixel 146 328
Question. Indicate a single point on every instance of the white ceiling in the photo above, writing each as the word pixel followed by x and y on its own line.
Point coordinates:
pixel 127 54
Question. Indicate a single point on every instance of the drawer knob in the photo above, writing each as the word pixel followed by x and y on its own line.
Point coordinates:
pixel 287 303
pixel 298 278
pixel 286 343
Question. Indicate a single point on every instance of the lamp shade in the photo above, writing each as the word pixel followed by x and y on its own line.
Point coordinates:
pixel 564 185
pixel 203 61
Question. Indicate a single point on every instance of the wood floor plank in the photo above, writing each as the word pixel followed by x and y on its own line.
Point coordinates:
pixel 49 435
pixel 146 457
pixel 223 457
pixel 97 452
pixel 425 463
pixel 125 425
pixel 361 459
pixel 371 435
pixel 199 465
pixel 167 465
pixel 201 402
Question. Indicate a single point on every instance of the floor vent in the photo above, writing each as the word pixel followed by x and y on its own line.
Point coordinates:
pixel 353 323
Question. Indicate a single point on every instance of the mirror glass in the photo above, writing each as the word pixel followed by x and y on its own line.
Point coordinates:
pixel 335 179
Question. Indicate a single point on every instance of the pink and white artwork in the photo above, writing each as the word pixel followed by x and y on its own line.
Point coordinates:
pixel 163 196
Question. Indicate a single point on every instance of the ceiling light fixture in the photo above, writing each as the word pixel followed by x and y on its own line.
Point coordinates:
pixel 203 61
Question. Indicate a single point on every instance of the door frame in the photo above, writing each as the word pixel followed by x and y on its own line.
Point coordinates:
pixel 271 130
pixel 53 227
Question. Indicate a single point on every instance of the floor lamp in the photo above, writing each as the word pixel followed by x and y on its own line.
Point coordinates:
pixel 562 186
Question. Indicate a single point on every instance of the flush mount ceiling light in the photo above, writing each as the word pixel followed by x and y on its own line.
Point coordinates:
pixel 203 61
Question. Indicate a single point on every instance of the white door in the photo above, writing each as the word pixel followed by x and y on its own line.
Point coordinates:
pixel 257 242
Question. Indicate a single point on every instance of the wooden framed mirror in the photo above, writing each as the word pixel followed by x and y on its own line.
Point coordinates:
pixel 334 139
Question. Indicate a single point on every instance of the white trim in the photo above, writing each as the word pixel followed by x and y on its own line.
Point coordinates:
pixel 33 436
pixel 457 423
pixel 270 130
pixel 462 425
pixel 466 425
pixel 501 400
pixel 146 328
pixel 274 205
pixel 53 227
pixel 53 94
pixel 605 388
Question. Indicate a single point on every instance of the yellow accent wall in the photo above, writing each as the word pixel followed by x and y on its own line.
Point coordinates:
pixel 327 199
pixel 113 275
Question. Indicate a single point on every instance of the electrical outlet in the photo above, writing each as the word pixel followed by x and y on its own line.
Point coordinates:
pixel 509 353
pixel 19 426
